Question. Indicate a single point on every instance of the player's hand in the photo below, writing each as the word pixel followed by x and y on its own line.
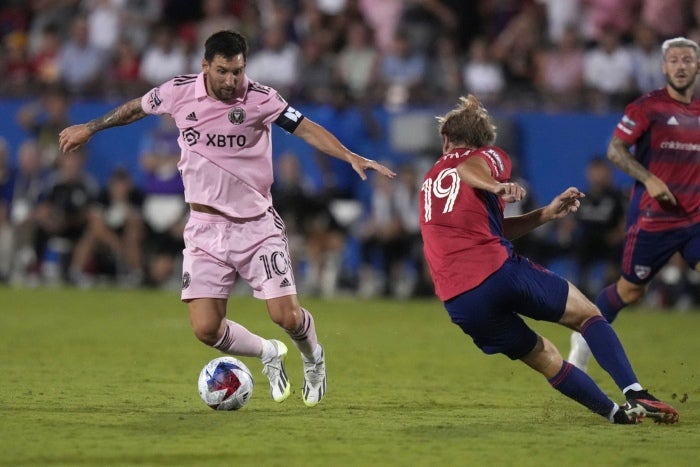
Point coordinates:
pixel 510 192
pixel 658 190
pixel 361 164
pixel 73 137
pixel 564 203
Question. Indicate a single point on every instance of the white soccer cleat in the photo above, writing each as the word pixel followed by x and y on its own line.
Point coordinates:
pixel 580 352
pixel 274 370
pixel 314 380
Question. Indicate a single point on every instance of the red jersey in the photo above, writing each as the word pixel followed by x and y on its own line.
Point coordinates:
pixel 462 227
pixel 666 136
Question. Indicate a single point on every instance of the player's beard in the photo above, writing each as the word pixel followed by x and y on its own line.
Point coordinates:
pixel 679 89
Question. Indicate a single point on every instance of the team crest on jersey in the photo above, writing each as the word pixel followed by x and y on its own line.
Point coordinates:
pixel 236 115
pixel 186 280
pixel 642 272
pixel 154 99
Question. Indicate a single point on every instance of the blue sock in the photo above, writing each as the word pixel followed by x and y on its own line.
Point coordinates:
pixel 580 387
pixel 609 302
pixel 608 352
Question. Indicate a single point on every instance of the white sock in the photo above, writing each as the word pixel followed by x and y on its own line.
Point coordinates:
pixel 268 350
pixel 633 387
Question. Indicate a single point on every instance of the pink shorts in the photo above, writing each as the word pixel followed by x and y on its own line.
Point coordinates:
pixel 218 248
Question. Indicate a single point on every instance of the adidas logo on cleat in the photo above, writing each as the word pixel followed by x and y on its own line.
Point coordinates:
pixel 192 116
pixel 285 283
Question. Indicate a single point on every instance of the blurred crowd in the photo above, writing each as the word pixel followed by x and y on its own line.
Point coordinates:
pixel 58 225
pixel 551 54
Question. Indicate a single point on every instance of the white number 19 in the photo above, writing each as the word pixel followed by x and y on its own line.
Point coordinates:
pixel 438 189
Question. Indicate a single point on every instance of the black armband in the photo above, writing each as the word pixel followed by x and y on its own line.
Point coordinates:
pixel 290 119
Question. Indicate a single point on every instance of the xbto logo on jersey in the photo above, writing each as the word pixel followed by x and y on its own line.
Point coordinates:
pixel 191 137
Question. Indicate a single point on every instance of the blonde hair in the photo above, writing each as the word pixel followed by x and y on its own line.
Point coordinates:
pixel 678 42
pixel 469 123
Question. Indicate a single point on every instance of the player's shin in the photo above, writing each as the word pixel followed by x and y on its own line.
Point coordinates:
pixel 304 336
pixel 578 386
pixel 608 351
pixel 237 340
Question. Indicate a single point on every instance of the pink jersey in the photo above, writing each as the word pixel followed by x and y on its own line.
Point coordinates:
pixel 462 227
pixel 226 147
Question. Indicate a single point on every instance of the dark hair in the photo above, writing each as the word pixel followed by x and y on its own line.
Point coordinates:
pixel 228 44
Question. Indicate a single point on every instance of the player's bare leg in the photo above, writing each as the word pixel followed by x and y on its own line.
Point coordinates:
pixel 209 323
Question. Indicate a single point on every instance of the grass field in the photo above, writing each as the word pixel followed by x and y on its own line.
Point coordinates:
pixel 108 378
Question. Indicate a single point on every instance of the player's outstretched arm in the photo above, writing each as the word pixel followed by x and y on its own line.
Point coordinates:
pixel 75 136
pixel 476 173
pixel 562 204
pixel 323 140
pixel 620 155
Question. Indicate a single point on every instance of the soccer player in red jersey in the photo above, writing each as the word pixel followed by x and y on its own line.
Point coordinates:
pixel 664 214
pixel 485 286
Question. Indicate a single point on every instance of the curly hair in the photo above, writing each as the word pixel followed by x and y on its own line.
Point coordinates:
pixel 469 123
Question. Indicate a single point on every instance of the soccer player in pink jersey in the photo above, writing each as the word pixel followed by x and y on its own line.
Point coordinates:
pixel 485 286
pixel 226 166
pixel 664 214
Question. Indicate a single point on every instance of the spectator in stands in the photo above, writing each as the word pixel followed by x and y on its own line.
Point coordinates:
pixel 384 17
pixel 601 17
pixel 276 62
pixel 112 241
pixel 607 73
pixel 561 15
pixel 600 229
pixel 15 69
pixel 482 75
pixel 28 185
pixel 216 16
pixel 646 56
pixel 43 119
pixel 124 76
pixel 315 237
pixel 103 23
pixel 61 215
pixel 315 65
pixel 44 60
pixel 667 18
pixel 515 48
pixel 356 64
pixel 164 58
pixel 401 71
pixel 6 182
pixel 164 208
pixel 80 64
pixel 559 72
pixel 445 70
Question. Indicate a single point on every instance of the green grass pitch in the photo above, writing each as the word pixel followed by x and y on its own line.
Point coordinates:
pixel 109 378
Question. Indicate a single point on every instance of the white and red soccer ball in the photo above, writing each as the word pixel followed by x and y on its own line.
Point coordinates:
pixel 225 383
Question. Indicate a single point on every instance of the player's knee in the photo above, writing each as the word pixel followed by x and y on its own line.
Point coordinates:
pixel 287 317
pixel 631 293
pixel 206 333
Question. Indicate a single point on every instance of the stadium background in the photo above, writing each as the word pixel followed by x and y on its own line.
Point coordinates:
pixel 555 74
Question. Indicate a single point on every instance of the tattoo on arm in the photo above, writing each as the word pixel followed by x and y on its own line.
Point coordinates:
pixel 620 155
pixel 122 115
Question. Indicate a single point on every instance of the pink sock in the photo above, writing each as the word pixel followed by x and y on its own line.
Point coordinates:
pixel 237 340
pixel 304 337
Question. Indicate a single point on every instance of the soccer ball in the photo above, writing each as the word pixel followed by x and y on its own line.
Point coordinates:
pixel 225 383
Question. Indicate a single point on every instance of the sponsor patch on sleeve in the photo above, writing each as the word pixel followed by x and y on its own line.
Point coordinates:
pixel 154 99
